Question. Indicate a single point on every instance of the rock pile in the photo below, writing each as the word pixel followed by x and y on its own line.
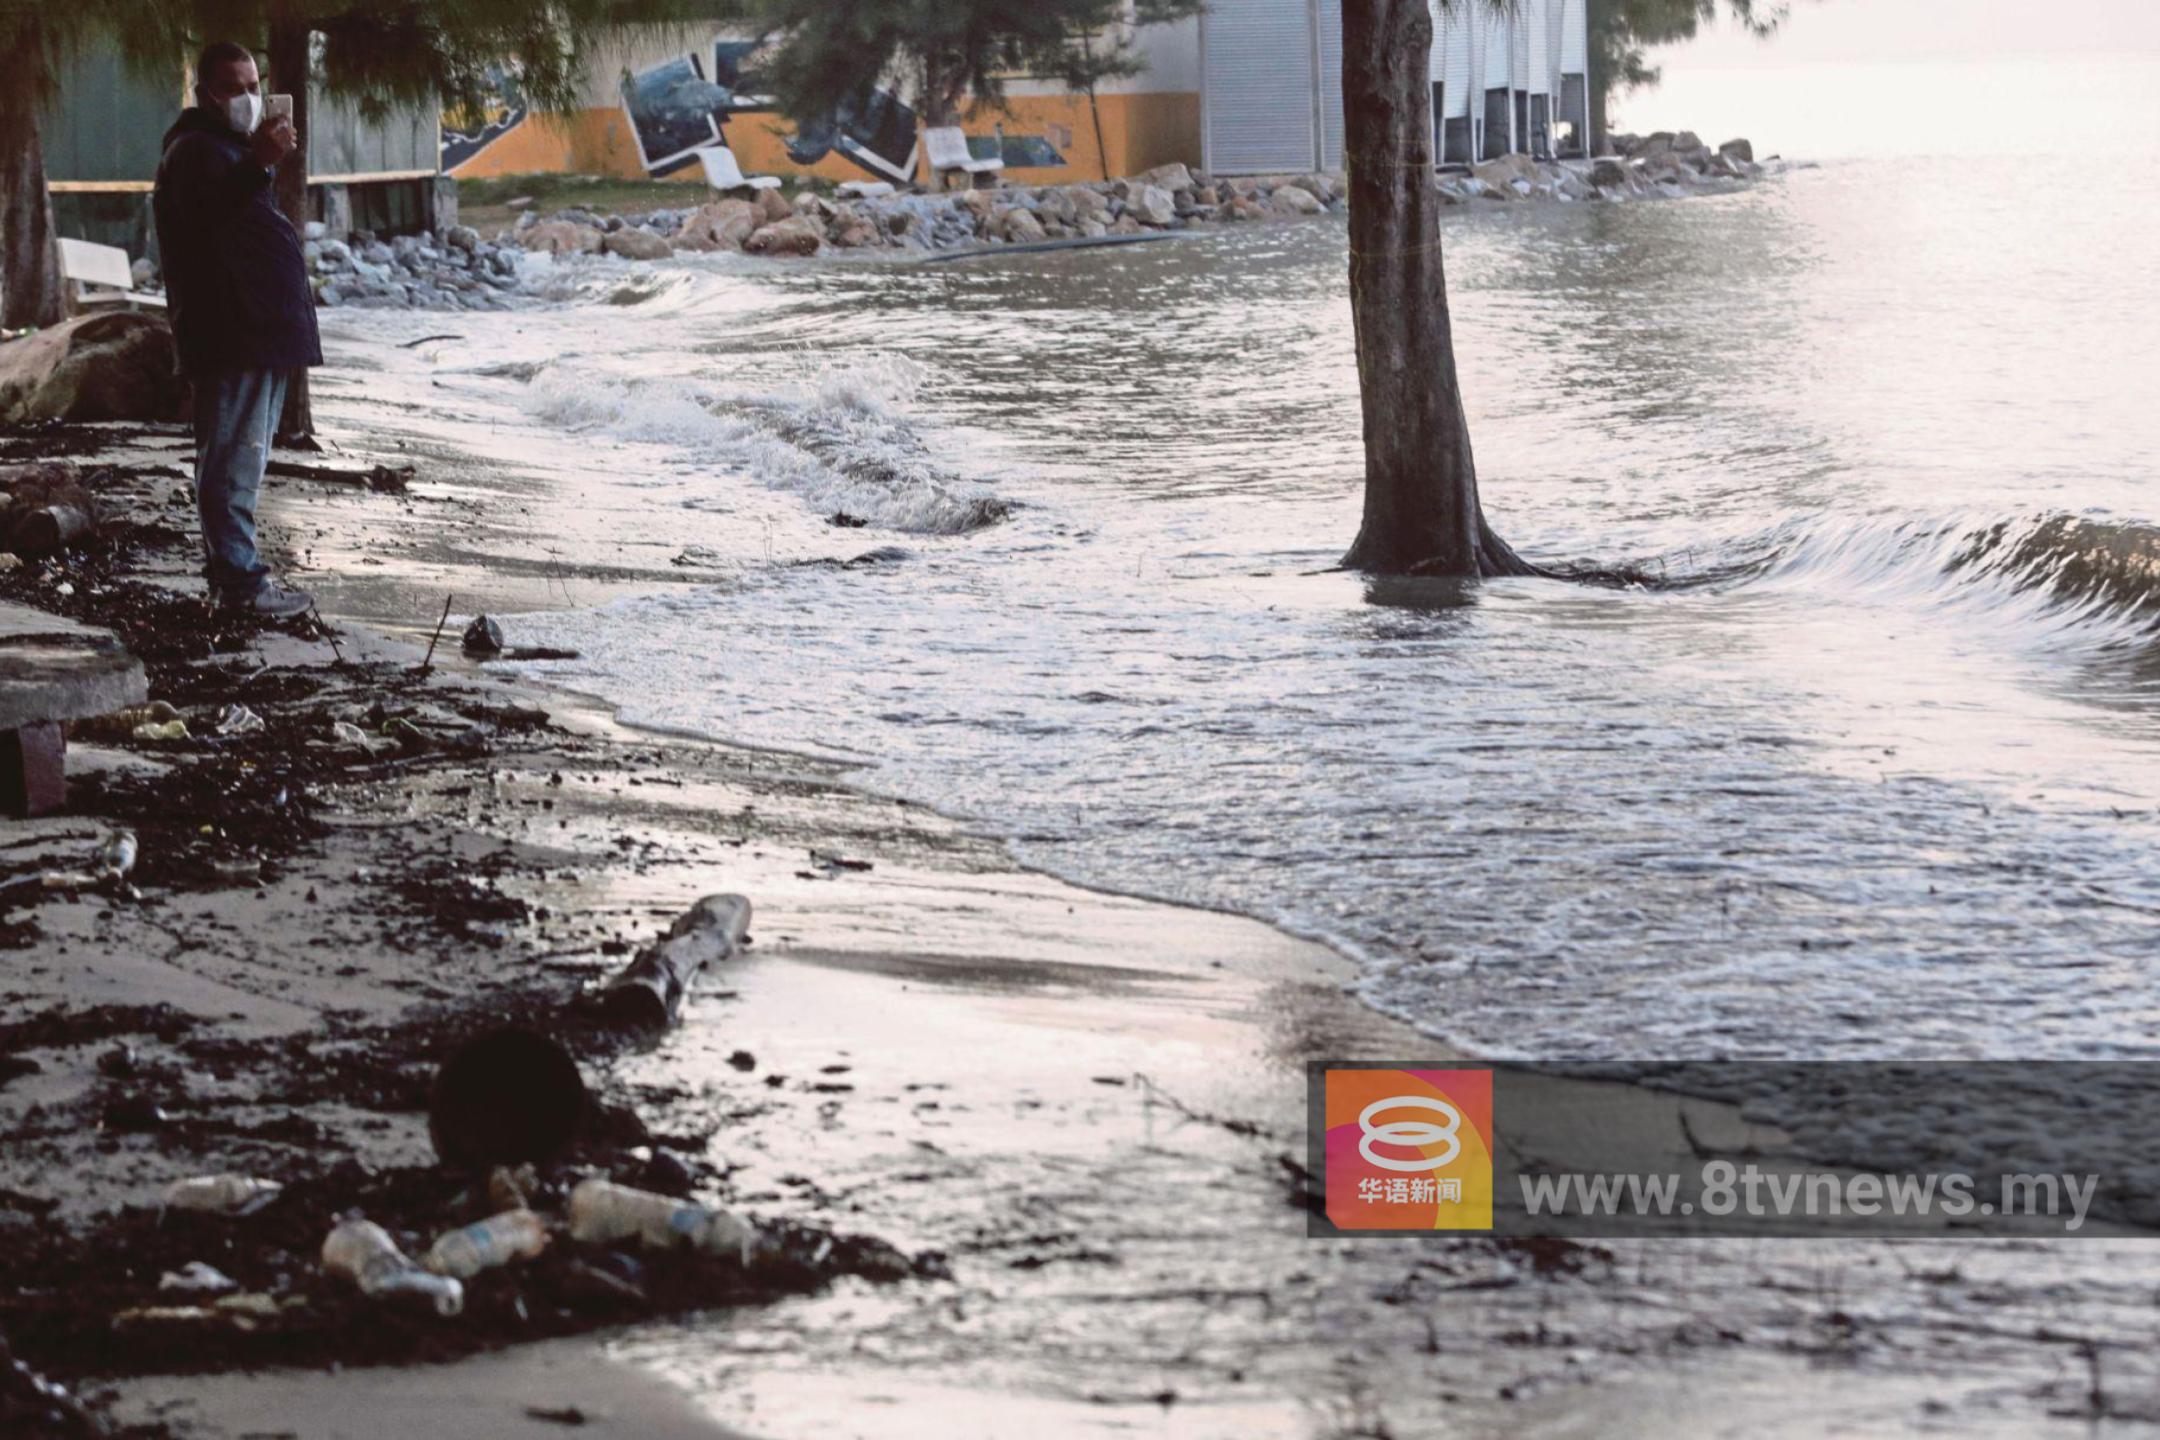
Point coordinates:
pixel 456 269
pixel 1664 164
pixel 1169 197
pixel 453 269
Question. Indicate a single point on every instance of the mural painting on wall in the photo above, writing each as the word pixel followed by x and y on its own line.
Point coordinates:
pixel 674 112
pixel 684 103
pixel 465 135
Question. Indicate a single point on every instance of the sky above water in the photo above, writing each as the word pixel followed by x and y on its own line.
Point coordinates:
pixel 1920 77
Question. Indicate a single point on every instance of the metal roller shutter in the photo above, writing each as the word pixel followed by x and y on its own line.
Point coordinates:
pixel 1257 70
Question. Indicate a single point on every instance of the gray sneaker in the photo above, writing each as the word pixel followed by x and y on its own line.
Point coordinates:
pixel 273 602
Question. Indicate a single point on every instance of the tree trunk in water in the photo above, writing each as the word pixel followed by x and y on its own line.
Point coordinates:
pixel 289 69
pixel 32 289
pixel 1421 496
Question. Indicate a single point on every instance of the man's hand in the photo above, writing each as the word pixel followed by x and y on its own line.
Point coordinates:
pixel 272 142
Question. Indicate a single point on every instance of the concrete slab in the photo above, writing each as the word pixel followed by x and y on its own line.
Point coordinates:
pixel 54 669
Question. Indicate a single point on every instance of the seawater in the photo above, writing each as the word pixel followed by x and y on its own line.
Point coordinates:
pixel 1874 770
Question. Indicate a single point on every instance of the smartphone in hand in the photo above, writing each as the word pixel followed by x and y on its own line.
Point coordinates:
pixel 276 108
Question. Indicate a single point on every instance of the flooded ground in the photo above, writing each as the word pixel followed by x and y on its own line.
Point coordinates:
pixel 1044 542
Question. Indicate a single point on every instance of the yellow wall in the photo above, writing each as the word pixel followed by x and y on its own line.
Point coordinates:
pixel 1139 132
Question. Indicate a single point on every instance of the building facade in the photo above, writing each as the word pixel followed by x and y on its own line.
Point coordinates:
pixel 1503 82
pixel 104 133
pixel 1250 87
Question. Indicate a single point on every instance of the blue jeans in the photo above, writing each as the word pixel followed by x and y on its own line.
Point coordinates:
pixel 236 416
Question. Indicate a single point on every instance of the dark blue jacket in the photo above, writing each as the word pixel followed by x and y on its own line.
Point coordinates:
pixel 234 276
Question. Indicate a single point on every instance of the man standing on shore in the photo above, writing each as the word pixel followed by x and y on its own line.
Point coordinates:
pixel 243 316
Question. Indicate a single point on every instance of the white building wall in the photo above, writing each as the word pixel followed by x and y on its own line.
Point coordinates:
pixel 1271 73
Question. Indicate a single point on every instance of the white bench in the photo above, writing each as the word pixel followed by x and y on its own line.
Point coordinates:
pixel 101 275
pixel 947 149
pixel 725 176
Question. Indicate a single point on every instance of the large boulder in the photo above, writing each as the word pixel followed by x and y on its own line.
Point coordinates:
pixel 722 225
pixel 977 204
pixel 1503 173
pixel 1151 205
pixel 1322 187
pixel 1610 174
pixel 1294 200
pixel 1172 177
pixel 1671 165
pixel 1087 202
pixel 772 207
pixel 637 245
pixel 796 235
pixel 1738 151
pixel 1650 145
pixel 113 366
pixel 1020 227
pixel 563 237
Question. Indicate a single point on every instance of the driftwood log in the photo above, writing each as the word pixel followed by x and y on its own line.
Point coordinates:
pixel 390 479
pixel 651 989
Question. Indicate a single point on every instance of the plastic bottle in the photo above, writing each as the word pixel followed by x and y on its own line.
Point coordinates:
pixel 364 1253
pixel 602 1211
pixel 485 1244
pixel 221 1194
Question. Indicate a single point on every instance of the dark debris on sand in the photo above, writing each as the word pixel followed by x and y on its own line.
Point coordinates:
pixel 241 806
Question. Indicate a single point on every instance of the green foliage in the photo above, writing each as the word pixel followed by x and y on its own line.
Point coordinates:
pixel 1621 32
pixel 825 54
pixel 379 52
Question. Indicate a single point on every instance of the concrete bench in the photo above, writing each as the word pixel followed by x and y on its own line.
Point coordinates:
pixel 947 149
pixel 52 671
pixel 724 174
pixel 102 275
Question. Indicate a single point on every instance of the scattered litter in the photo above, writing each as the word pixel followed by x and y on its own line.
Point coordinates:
pixel 352 737
pixel 239 871
pixel 364 1253
pixel 602 1212
pixel 221 1194
pixel 498 1240
pixel 239 720
pixel 483 637
pixel 161 731
pixel 114 859
pixel 511 1188
pixel 121 724
pixel 117 855
pixel 198 1278
pixel 838 862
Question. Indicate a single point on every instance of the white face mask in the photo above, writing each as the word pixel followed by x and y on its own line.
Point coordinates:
pixel 244 112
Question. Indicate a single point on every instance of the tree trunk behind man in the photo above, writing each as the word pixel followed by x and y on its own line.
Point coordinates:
pixel 32 288
pixel 289 70
pixel 1421 495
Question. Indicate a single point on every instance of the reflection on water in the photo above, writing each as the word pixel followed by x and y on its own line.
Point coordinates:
pixel 1882 779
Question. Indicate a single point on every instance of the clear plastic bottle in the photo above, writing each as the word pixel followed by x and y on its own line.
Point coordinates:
pixel 364 1253
pixel 602 1211
pixel 483 1245
pixel 221 1194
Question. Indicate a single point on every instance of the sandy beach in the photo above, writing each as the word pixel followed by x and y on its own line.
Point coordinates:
pixel 1078 1115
